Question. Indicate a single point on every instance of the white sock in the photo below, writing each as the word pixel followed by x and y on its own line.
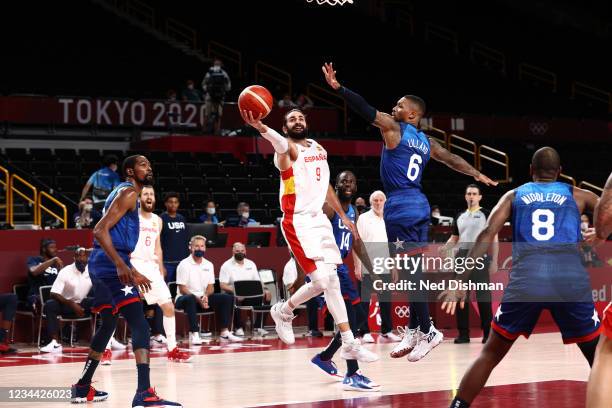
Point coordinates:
pixel 170 329
pixel 347 337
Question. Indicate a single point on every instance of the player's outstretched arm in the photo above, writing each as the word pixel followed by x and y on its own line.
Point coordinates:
pixel 124 202
pixel 500 213
pixel 457 163
pixel 286 151
pixel 603 212
pixel 389 128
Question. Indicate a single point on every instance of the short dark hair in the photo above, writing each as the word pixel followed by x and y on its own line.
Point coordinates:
pixel 546 161
pixel 474 186
pixel 110 159
pixel 129 163
pixel 171 194
pixel 291 111
pixel 345 171
pixel 418 101
pixel 211 201
pixel 435 207
pixel 44 243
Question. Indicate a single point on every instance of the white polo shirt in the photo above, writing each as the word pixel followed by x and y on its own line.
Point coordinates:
pixel 231 271
pixel 371 227
pixel 72 284
pixel 372 231
pixel 196 276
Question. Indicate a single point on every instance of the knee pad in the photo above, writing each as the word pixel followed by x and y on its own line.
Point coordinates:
pixel 139 327
pixel 321 277
pixel 321 284
pixel 334 300
pixel 105 332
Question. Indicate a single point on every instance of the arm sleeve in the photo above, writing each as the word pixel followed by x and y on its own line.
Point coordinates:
pixel 224 276
pixel 357 103
pixel 279 142
pixel 181 274
pixel 58 284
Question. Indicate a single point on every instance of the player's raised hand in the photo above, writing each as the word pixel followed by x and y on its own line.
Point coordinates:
pixel 330 75
pixel 253 121
pixel 485 180
pixel 450 298
pixel 143 283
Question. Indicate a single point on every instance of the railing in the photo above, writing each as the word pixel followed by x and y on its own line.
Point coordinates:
pixel 592 93
pixel 226 54
pixel 504 162
pixel 40 207
pixel 32 200
pixel 567 178
pixel 539 75
pixel 592 187
pixel 7 198
pixel 437 134
pixel 140 11
pixel 488 57
pixel 317 93
pixel 434 31
pixel 469 147
pixel 182 33
pixel 278 76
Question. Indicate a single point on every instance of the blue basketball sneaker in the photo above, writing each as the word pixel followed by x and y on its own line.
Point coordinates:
pixel 359 382
pixel 328 367
pixel 86 393
pixel 149 398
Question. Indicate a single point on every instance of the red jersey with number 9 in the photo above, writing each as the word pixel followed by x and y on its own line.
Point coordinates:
pixel 149 233
pixel 304 185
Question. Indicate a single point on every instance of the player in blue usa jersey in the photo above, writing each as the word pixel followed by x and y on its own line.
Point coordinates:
pixel 116 285
pixel 547 272
pixel 346 187
pixel 405 153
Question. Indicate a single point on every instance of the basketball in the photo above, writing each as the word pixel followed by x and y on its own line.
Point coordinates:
pixel 257 99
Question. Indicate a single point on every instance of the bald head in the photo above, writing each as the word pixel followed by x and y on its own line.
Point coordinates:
pixel 546 163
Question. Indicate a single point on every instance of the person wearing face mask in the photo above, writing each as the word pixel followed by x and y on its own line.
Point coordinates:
pixel 238 268
pixel 68 298
pixel 195 280
pixel 210 217
pixel 190 94
pixel 242 218
pixel 371 227
pixel 87 216
pixel 360 205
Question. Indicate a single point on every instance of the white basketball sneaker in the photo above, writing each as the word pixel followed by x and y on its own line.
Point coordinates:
pixel 425 343
pixel 52 347
pixel 354 351
pixel 367 338
pixel 409 341
pixel 117 345
pixel 194 339
pixel 284 328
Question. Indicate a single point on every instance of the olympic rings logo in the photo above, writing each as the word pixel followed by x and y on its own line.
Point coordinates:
pixel 402 311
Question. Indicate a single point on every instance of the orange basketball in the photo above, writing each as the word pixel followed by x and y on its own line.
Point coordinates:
pixel 257 99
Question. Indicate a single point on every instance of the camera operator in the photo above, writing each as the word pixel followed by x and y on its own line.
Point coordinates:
pixel 216 84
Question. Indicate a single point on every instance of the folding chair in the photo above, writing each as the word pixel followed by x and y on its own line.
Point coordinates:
pixel 21 290
pixel 45 294
pixel 250 289
pixel 268 278
pixel 173 291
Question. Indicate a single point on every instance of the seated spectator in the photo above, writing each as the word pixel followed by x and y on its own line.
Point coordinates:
pixel 360 205
pixel 210 217
pixel 42 271
pixel 303 101
pixel 239 268
pixel 286 102
pixel 171 95
pixel 190 93
pixel 102 181
pixel 68 298
pixel 241 219
pixel 8 307
pixel 195 278
pixel 87 216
